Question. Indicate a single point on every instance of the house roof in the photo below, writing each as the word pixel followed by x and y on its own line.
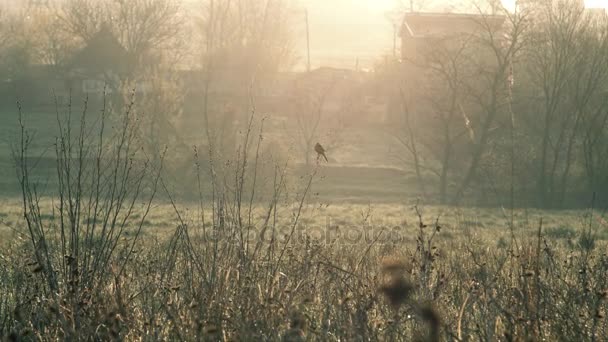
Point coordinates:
pixel 439 24
pixel 329 73
pixel 102 52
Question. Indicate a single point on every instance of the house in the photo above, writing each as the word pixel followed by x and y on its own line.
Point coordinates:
pixel 100 65
pixel 433 45
pixel 421 31
pixel 96 68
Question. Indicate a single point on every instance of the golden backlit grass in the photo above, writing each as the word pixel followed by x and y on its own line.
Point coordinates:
pixel 481 224
pixel 448 274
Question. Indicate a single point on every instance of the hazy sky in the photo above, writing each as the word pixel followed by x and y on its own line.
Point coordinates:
pixel 596 3
pixel 342 31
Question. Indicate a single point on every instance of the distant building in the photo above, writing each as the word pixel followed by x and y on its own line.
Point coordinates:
pixel 428 41
pixel 420 31
pixel 100 65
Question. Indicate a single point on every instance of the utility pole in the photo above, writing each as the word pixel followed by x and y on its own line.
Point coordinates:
pixel 395 17
pixel 307 40
pixel 394 40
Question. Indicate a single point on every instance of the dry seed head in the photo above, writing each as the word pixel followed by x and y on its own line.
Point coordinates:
pixel 294 335
pixel 394 264
pixel 211 330
pixel 397 290
pixel 297 321
pixel 13 336
pixel 431 316
pixel 394 285
pixel 17 314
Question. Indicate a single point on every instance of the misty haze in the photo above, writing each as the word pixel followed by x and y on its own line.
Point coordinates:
pixel 303 170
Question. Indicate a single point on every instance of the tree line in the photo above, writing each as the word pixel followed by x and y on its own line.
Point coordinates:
pixel 213 40
pixel 515 112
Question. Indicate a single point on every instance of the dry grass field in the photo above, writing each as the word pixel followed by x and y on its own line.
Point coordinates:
pixel 110 250
pixel 161 179
pixel 337 272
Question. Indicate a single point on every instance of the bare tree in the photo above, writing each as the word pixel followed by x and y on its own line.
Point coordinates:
pixel 447 69
pixel 412 5
pixel 83 18
pixel 147 29
pixel 150 34
pixel 456 90
pixel 405 126
pixel 3 28
pixel 409 139
pixel 595 149
pixel 594 136
pixel 489 94
pixel 323 103
pixel 17 44
pixel 243 43
pixel 56 46
pixel 309 102
pixel 160 108
pixel 568 69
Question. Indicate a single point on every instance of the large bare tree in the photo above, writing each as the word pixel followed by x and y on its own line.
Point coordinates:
pixel 454 95
pixel 148 29
pixel 568 72
pixel 18 44
pixel 242 46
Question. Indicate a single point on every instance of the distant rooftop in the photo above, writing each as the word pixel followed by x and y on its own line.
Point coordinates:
pixel 102 52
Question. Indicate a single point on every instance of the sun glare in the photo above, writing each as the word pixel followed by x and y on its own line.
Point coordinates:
pixel 509 5
pixel 596 4
pixel 378 5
